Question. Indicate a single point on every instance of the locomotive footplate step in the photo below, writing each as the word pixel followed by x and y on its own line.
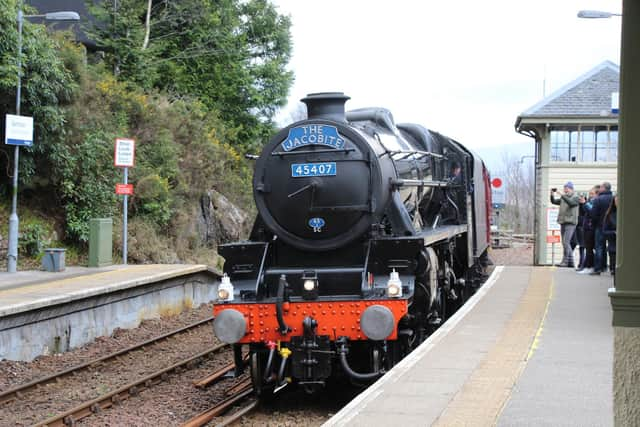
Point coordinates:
pixel 534 346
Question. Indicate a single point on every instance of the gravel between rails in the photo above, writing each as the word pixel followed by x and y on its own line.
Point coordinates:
pixel 169 403
pixel 14 373
pixel 88 384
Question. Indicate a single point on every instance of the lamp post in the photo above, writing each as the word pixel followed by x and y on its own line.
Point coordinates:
pixel 12 256
pixel 596 14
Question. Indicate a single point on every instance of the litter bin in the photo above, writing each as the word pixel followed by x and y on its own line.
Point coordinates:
pixel 100 242
pixel 53 259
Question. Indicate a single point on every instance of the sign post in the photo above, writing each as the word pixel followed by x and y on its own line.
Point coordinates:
pixel 125 158
pixel 18 132
pixel 553 226
pixel 498 198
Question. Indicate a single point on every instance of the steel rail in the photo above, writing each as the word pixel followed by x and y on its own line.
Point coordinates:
pixel 238 414
pixel 16 392
pixel 244 389
pixel 122 393
pixel 209 379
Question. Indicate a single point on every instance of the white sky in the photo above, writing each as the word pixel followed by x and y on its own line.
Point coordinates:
pixel 463 68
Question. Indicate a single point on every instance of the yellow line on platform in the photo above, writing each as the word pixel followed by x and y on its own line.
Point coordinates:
pixel 536 339
pixel 488 388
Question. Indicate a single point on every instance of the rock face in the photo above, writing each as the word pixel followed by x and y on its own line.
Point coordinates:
pixel 220 221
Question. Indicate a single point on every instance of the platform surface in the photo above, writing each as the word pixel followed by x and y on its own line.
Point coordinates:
pixel 25 291
pixel 534 347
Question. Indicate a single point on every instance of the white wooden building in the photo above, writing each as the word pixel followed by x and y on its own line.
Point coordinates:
pixel 576 136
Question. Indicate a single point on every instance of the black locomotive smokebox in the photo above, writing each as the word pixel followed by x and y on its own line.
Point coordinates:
pixel 326 105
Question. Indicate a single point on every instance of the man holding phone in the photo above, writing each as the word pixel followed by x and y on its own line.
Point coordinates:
pixel 567 218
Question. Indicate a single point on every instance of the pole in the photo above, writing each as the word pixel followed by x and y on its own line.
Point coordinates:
pixel 124 219
pixel 12 255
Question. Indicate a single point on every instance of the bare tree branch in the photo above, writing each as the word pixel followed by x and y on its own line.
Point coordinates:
pixel 147 25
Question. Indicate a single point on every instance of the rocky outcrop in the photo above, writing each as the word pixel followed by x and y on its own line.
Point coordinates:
pixel 220 221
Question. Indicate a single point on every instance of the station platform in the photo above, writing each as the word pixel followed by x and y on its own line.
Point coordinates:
pixel 44 313
pixel 533 347
pixel 29 290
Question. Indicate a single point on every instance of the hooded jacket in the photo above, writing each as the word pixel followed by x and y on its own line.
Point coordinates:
pixel 568 213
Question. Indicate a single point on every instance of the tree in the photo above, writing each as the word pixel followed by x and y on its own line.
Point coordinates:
pixel 230 54
pixel 47 86
pixel 520 195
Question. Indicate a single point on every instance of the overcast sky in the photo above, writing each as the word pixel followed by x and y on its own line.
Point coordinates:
pixel 463 68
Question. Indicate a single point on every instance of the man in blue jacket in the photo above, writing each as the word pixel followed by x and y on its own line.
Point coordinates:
pixel 598 211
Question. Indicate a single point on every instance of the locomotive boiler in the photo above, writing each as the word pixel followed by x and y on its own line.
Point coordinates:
pixel 369 234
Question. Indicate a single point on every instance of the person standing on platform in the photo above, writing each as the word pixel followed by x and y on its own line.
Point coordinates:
pixel 609 232
pixel 598 211
pixel 588 232
pixel 568 219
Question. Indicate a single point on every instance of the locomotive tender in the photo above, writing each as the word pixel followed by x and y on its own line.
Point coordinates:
pixel 369 234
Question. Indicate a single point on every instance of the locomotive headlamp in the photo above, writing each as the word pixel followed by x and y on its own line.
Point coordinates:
pixel 225 289
pixel 309 285
pixel 394 285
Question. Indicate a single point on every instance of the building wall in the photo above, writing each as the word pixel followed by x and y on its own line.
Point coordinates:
pixel 626 371
pixel 542 181
pixel 555 175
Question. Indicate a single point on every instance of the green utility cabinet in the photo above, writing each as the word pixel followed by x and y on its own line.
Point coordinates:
pixel 100 242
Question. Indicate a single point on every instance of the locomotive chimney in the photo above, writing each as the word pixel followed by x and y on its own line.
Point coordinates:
pixel 326 105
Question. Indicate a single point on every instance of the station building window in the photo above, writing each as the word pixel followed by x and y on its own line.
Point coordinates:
pixel 584 143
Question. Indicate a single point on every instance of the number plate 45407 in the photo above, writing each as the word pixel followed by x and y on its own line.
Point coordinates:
pixel 300 170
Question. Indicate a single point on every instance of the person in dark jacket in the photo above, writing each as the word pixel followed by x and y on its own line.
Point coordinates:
pixel 568 219
pixel 598 211
pixel 588 232
pixel 609 224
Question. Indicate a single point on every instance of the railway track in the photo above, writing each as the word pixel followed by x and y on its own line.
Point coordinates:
pixel 16 392
pixel 241 393
pixel 94 406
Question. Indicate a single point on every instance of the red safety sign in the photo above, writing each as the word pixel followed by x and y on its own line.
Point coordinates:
pixel 496 182
pixel 553 238
pixel 124 189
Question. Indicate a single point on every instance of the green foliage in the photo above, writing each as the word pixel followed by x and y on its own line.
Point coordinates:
pixel 203 91
pixel 31 241
pixel 229 54
pixel 47 85
pixel 153 198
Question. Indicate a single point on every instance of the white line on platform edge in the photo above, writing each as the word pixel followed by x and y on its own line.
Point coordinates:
pixel 356 406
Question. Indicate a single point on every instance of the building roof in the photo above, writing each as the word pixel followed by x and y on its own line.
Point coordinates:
pixel 589 95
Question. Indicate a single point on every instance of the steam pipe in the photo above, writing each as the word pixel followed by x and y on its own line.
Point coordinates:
pixel 284 329
pixel 283 364
pixel 267 370
pixel 353 374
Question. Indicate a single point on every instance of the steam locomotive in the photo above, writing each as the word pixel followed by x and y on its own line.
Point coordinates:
pixel 369 234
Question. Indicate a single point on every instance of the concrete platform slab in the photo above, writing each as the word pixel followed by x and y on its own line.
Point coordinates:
pixel 40 292
pixel 30 277
pixel 534 347
pixel 42 317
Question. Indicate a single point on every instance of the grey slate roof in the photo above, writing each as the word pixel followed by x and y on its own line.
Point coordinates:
pixel 588 95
